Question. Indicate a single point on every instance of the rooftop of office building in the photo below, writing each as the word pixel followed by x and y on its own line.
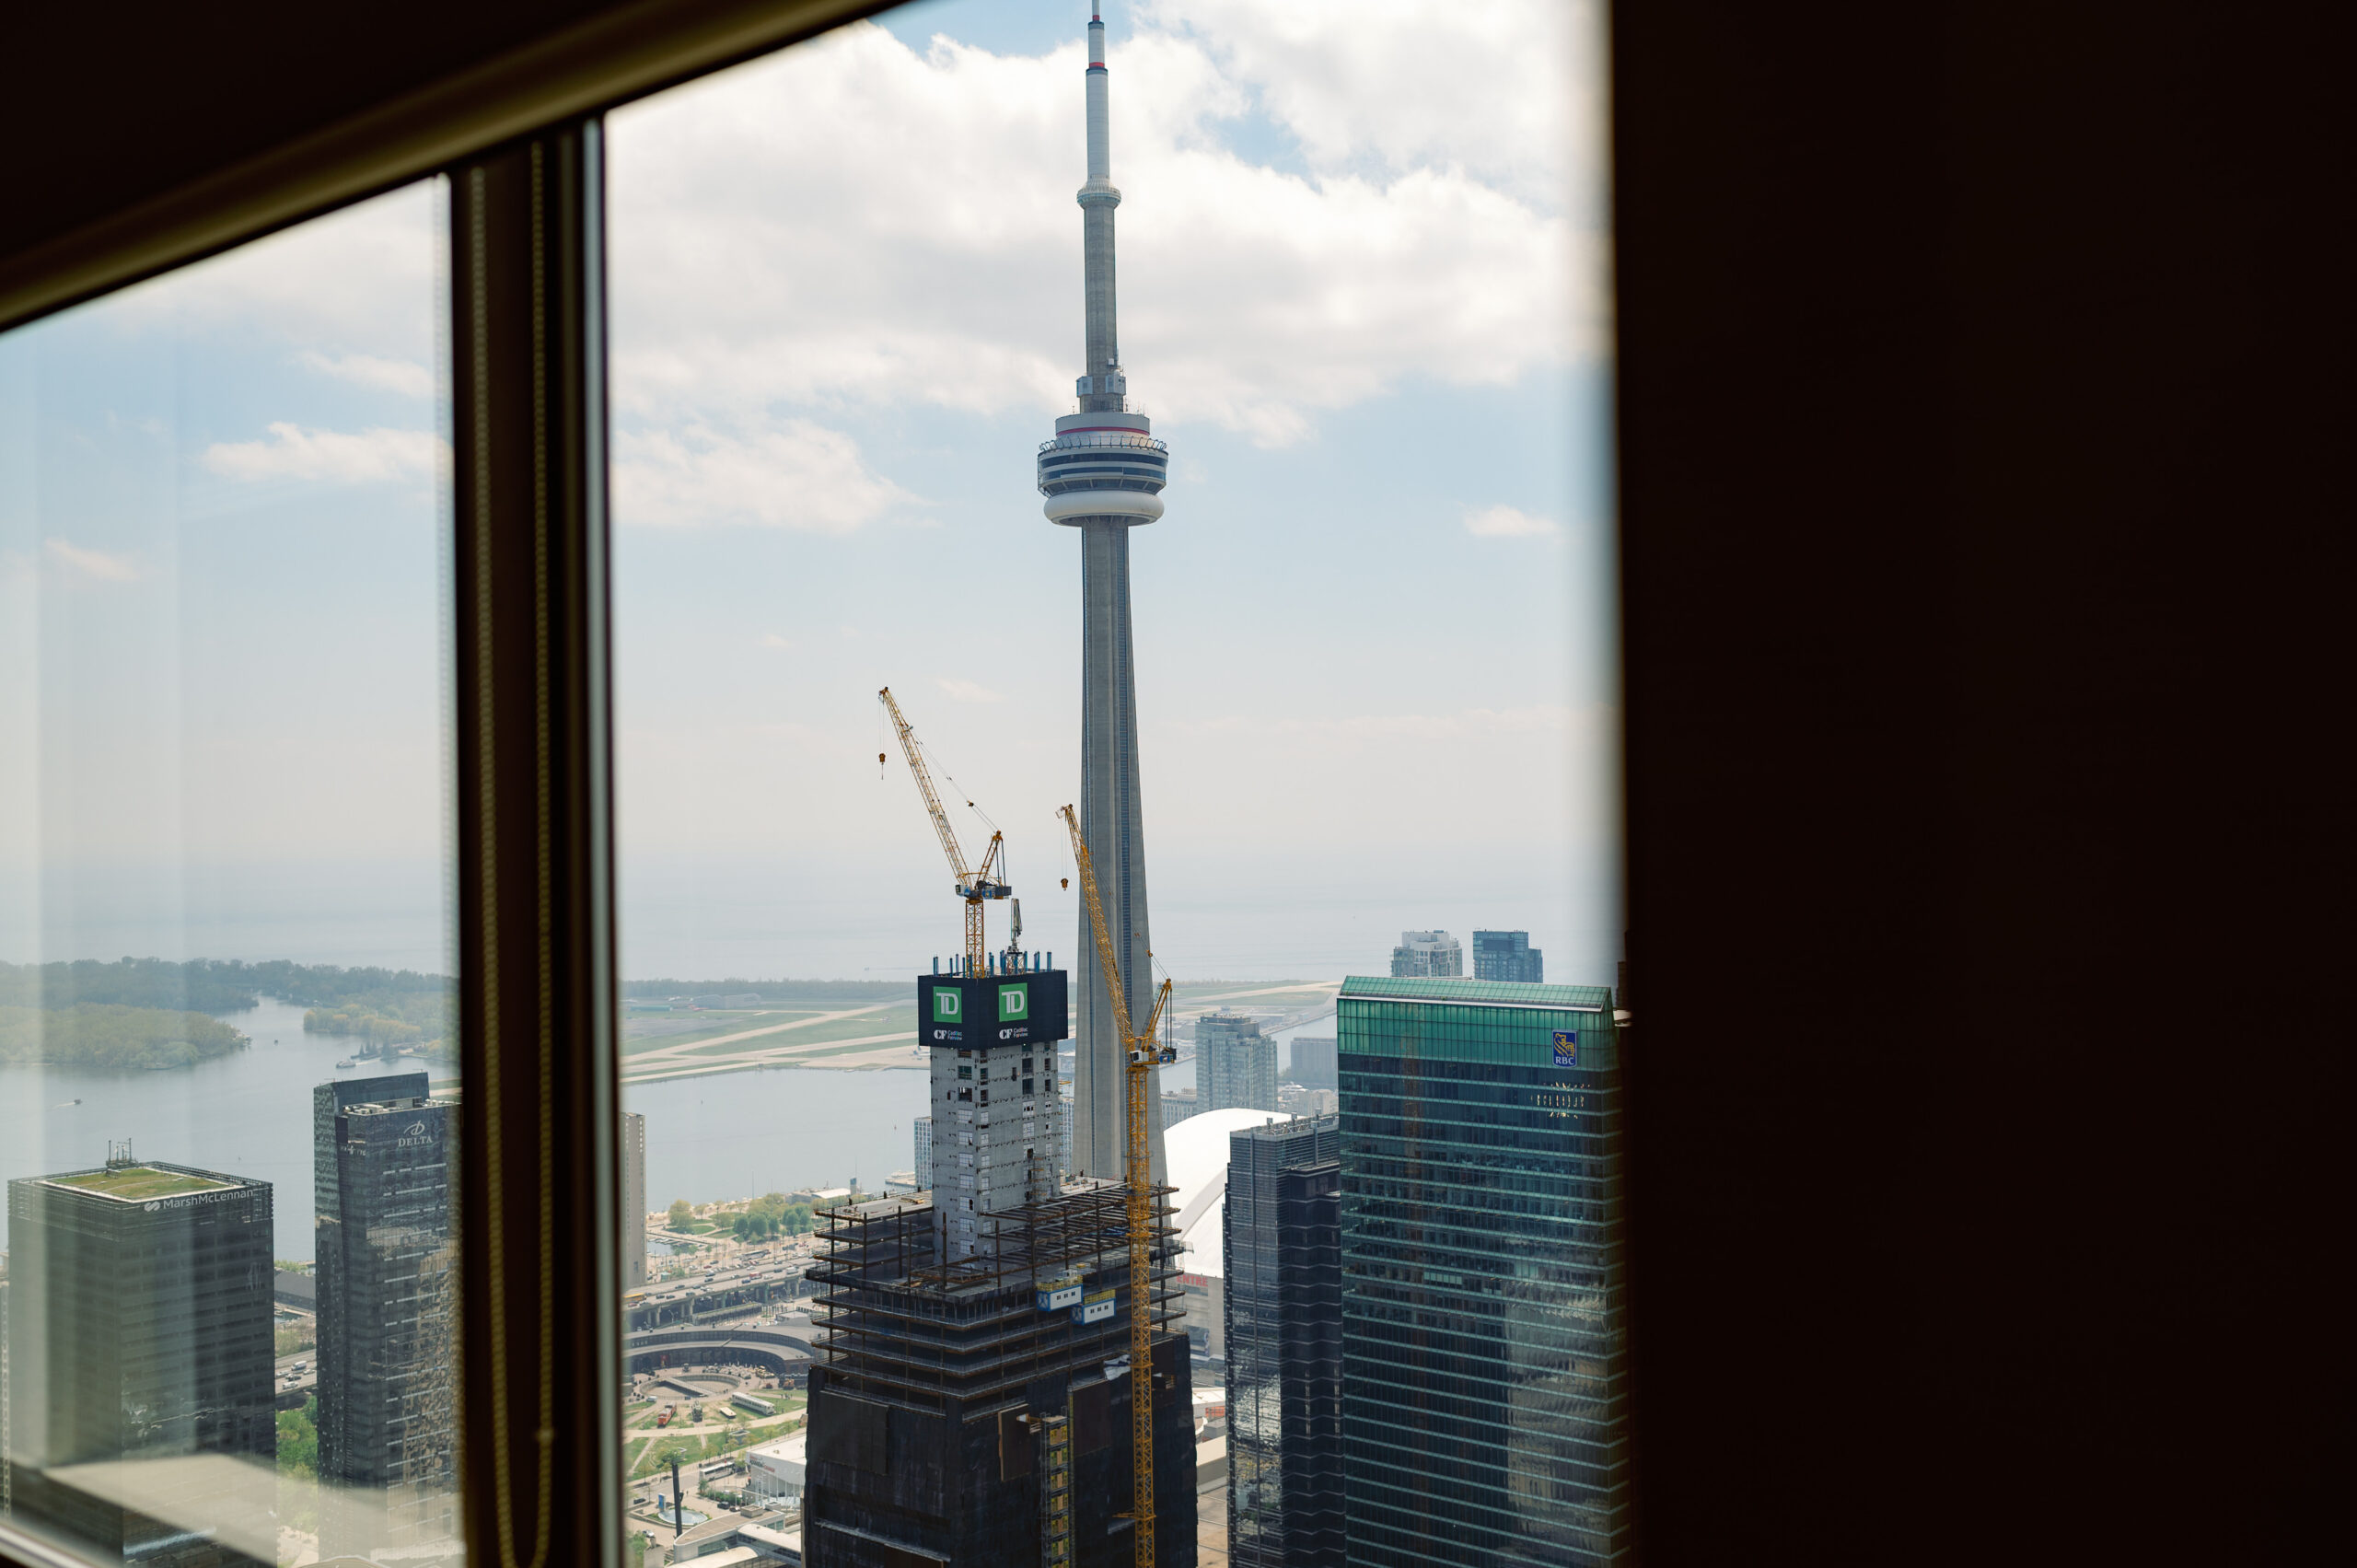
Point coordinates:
pixel 140 1183
pixel 1477 993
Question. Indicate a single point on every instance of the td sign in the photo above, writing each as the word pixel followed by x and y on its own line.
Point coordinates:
pixel 988 1010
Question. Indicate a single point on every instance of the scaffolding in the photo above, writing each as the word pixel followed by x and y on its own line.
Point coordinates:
pixel 893 1321
pixel 1055 1491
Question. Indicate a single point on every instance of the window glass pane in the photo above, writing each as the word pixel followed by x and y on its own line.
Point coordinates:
pixel 227 1062
pixel 1284 553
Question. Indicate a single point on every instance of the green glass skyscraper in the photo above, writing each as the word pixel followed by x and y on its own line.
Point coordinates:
pixel 1484 1404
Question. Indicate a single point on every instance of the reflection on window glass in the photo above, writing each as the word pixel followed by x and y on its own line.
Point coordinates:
pixel 1199 420
pixel 228 1068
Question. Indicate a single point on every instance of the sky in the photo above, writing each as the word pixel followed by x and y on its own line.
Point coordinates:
pixel 1364 291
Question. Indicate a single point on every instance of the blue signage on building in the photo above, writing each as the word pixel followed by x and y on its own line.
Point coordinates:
pixel 1567 1048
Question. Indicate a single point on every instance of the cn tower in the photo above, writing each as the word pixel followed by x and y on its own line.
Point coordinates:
pixel 1103 474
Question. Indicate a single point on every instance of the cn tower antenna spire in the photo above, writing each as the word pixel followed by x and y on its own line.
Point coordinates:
pixel 1102 375
pixel 1103 476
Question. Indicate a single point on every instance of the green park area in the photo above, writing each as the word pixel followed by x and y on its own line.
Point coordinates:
pixel 113 1035
pixel 768 1030
pixel 648 1455
pixel 646 1031
pixel 298 1467
pixel 764 1219
pixel 151 1014
pixel 865 1028
pixel 1250 995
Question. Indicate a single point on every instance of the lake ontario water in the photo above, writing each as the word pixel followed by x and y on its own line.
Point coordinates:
pixel 728 1134
pixel 248 1115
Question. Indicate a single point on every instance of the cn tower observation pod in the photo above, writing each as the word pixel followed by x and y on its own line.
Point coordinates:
pixel 1103 465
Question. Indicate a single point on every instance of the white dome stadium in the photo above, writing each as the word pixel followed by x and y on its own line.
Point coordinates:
pixel 1195 1156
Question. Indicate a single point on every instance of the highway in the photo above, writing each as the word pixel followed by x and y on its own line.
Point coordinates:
pixel 718 1345
pixel 292 1394
pixel 728 1290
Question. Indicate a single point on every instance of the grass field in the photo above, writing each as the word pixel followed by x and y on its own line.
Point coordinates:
pixel 648 1031
pixel 665 1046
pixel 890 1020
pixel 901 1046
pixel 1251 994
pixel 647 1456
pixel 137 1184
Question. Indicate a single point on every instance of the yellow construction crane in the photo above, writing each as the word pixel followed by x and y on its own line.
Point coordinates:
pixel 1141 1055
pixel 976 887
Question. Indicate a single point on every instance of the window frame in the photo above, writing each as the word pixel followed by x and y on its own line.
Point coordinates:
pixel 521 144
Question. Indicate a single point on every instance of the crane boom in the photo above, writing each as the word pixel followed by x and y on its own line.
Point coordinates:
pixel 918 771
pixel 973 887
pixel 1140 1057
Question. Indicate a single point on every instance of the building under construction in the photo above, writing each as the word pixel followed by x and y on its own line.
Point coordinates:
pixel 977 1409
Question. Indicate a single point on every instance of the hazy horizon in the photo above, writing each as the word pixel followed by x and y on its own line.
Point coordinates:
pixel 699 922
pixel 1376 651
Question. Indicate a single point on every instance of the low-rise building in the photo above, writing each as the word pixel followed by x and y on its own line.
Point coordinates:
pixel 776 1471
pixel 779 1543
pixel 1177 1105
pixel 722 1542
pixel 1295 1100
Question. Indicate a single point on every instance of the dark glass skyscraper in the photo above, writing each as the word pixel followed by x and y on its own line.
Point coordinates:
pixel 1483 1361
pixel 1507 954
pixel 1284 1330
pixel 382 1237
pixel 139 1330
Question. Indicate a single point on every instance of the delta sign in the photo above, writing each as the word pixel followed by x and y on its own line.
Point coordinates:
pixel 968 1014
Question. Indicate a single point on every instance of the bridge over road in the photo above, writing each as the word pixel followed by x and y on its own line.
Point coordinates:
pixel 718 1345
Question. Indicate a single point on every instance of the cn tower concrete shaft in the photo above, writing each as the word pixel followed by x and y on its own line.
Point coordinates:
pixel 1103 474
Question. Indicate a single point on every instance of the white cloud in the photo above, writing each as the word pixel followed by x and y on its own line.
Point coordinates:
pixel 771 640
pixel 97 563
pixel 852 220
pixel 334 456
pixel 795 475
pixel 1507 522
pixel 1507 92
pixel 366 281
pixel 406 376
pixel 970 690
